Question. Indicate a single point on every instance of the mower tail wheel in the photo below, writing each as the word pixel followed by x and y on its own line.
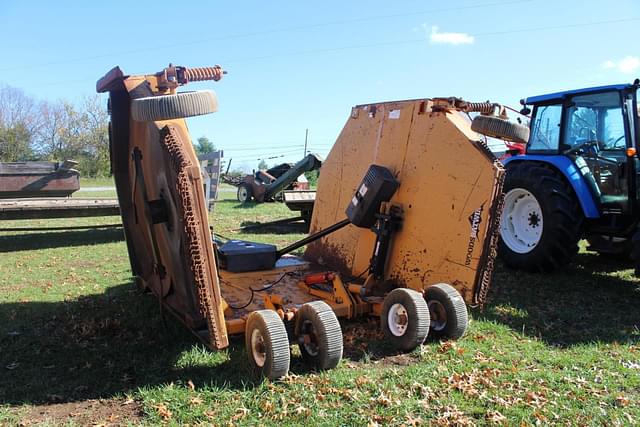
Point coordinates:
pixel 179 105
pixel 267 344
pixel 244 193
pixel 319 335
pixel 448 311
pixel 498 127
pixel 405 318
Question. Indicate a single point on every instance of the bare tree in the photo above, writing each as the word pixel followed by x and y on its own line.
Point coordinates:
pixel 18 122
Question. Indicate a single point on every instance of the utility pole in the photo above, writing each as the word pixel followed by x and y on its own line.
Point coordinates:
pixel 306 138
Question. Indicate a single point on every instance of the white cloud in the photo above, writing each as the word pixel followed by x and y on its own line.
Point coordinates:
pixel 626 65
pixel 449 38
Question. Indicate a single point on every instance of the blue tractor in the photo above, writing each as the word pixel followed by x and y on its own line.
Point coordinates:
pixel 579 177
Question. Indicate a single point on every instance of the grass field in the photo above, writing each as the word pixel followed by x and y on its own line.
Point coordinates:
pixel 79 345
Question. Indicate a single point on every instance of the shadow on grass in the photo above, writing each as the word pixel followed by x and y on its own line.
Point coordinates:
pixel 591 300
pixel 237 205
pixel 254 227
pixel 110 344
pixel 103 345
pixel 44 240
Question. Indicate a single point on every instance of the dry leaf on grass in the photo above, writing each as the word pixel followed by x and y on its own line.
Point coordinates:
pixel 495 418
pixel 163 411
pixel 451 415
pixel 622 401
pixel 195 400
pixel 240 414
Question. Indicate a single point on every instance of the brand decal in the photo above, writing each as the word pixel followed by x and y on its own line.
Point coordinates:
pixel 474 219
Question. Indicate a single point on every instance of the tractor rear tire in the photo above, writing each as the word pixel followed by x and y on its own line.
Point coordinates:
pixel 498 127
pixel 635 251
pixel 542 233
pixel 177 106
pixel 405 318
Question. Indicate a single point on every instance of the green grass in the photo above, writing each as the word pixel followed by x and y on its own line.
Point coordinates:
pixel 562 348
pixel 97 182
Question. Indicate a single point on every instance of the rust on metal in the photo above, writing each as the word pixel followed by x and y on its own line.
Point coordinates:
pixel 450 186
pixel 38 179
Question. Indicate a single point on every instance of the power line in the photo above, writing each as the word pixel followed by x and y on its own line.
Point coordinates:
pixel 266 32
pixel 262 148
pixel 422 40
pixel 258 156
pixel 392 43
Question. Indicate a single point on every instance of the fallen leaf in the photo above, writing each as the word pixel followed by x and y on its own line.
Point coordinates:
pixel 163 411
pixel 446 346
pixel 301 410
pixel 622 401
pixel 496 418
pixel 240 414
pixel 383 400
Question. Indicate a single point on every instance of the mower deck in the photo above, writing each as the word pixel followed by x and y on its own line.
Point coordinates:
pixel 169 240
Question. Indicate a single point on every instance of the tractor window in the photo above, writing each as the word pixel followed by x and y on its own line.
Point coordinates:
pixel 594 135
pixel 545 135
pixel 595 120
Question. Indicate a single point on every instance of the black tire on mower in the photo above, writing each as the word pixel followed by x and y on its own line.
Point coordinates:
pixel 498 127
pixel 179 105
pixel 244 193
pixel 267 344
pixel 561 214
pixel 448 312
pixel 415 327
pixel 319 335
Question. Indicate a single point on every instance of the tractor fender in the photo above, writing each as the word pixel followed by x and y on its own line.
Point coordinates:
pixel 570 171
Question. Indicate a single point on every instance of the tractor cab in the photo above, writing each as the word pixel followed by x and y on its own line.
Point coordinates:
pixel 597 129
pixel 578 178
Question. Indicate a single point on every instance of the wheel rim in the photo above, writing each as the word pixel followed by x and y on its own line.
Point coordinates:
pixel 258 350
pixel 309 339
pixel 521 224
pixel 438 315
pixel 397 319
pixel 242 194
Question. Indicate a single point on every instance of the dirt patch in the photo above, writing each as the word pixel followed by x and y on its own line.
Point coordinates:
pixel 102 412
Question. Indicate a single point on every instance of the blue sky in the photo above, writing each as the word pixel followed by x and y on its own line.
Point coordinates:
pixel 299 65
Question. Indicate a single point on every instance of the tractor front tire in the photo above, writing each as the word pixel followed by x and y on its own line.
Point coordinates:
pixel 541 221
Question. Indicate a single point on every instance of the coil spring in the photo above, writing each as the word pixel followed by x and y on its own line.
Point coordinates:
pixel 199 74
pixel 480 107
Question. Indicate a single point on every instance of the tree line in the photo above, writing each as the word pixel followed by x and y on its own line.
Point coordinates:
pixel 42 130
